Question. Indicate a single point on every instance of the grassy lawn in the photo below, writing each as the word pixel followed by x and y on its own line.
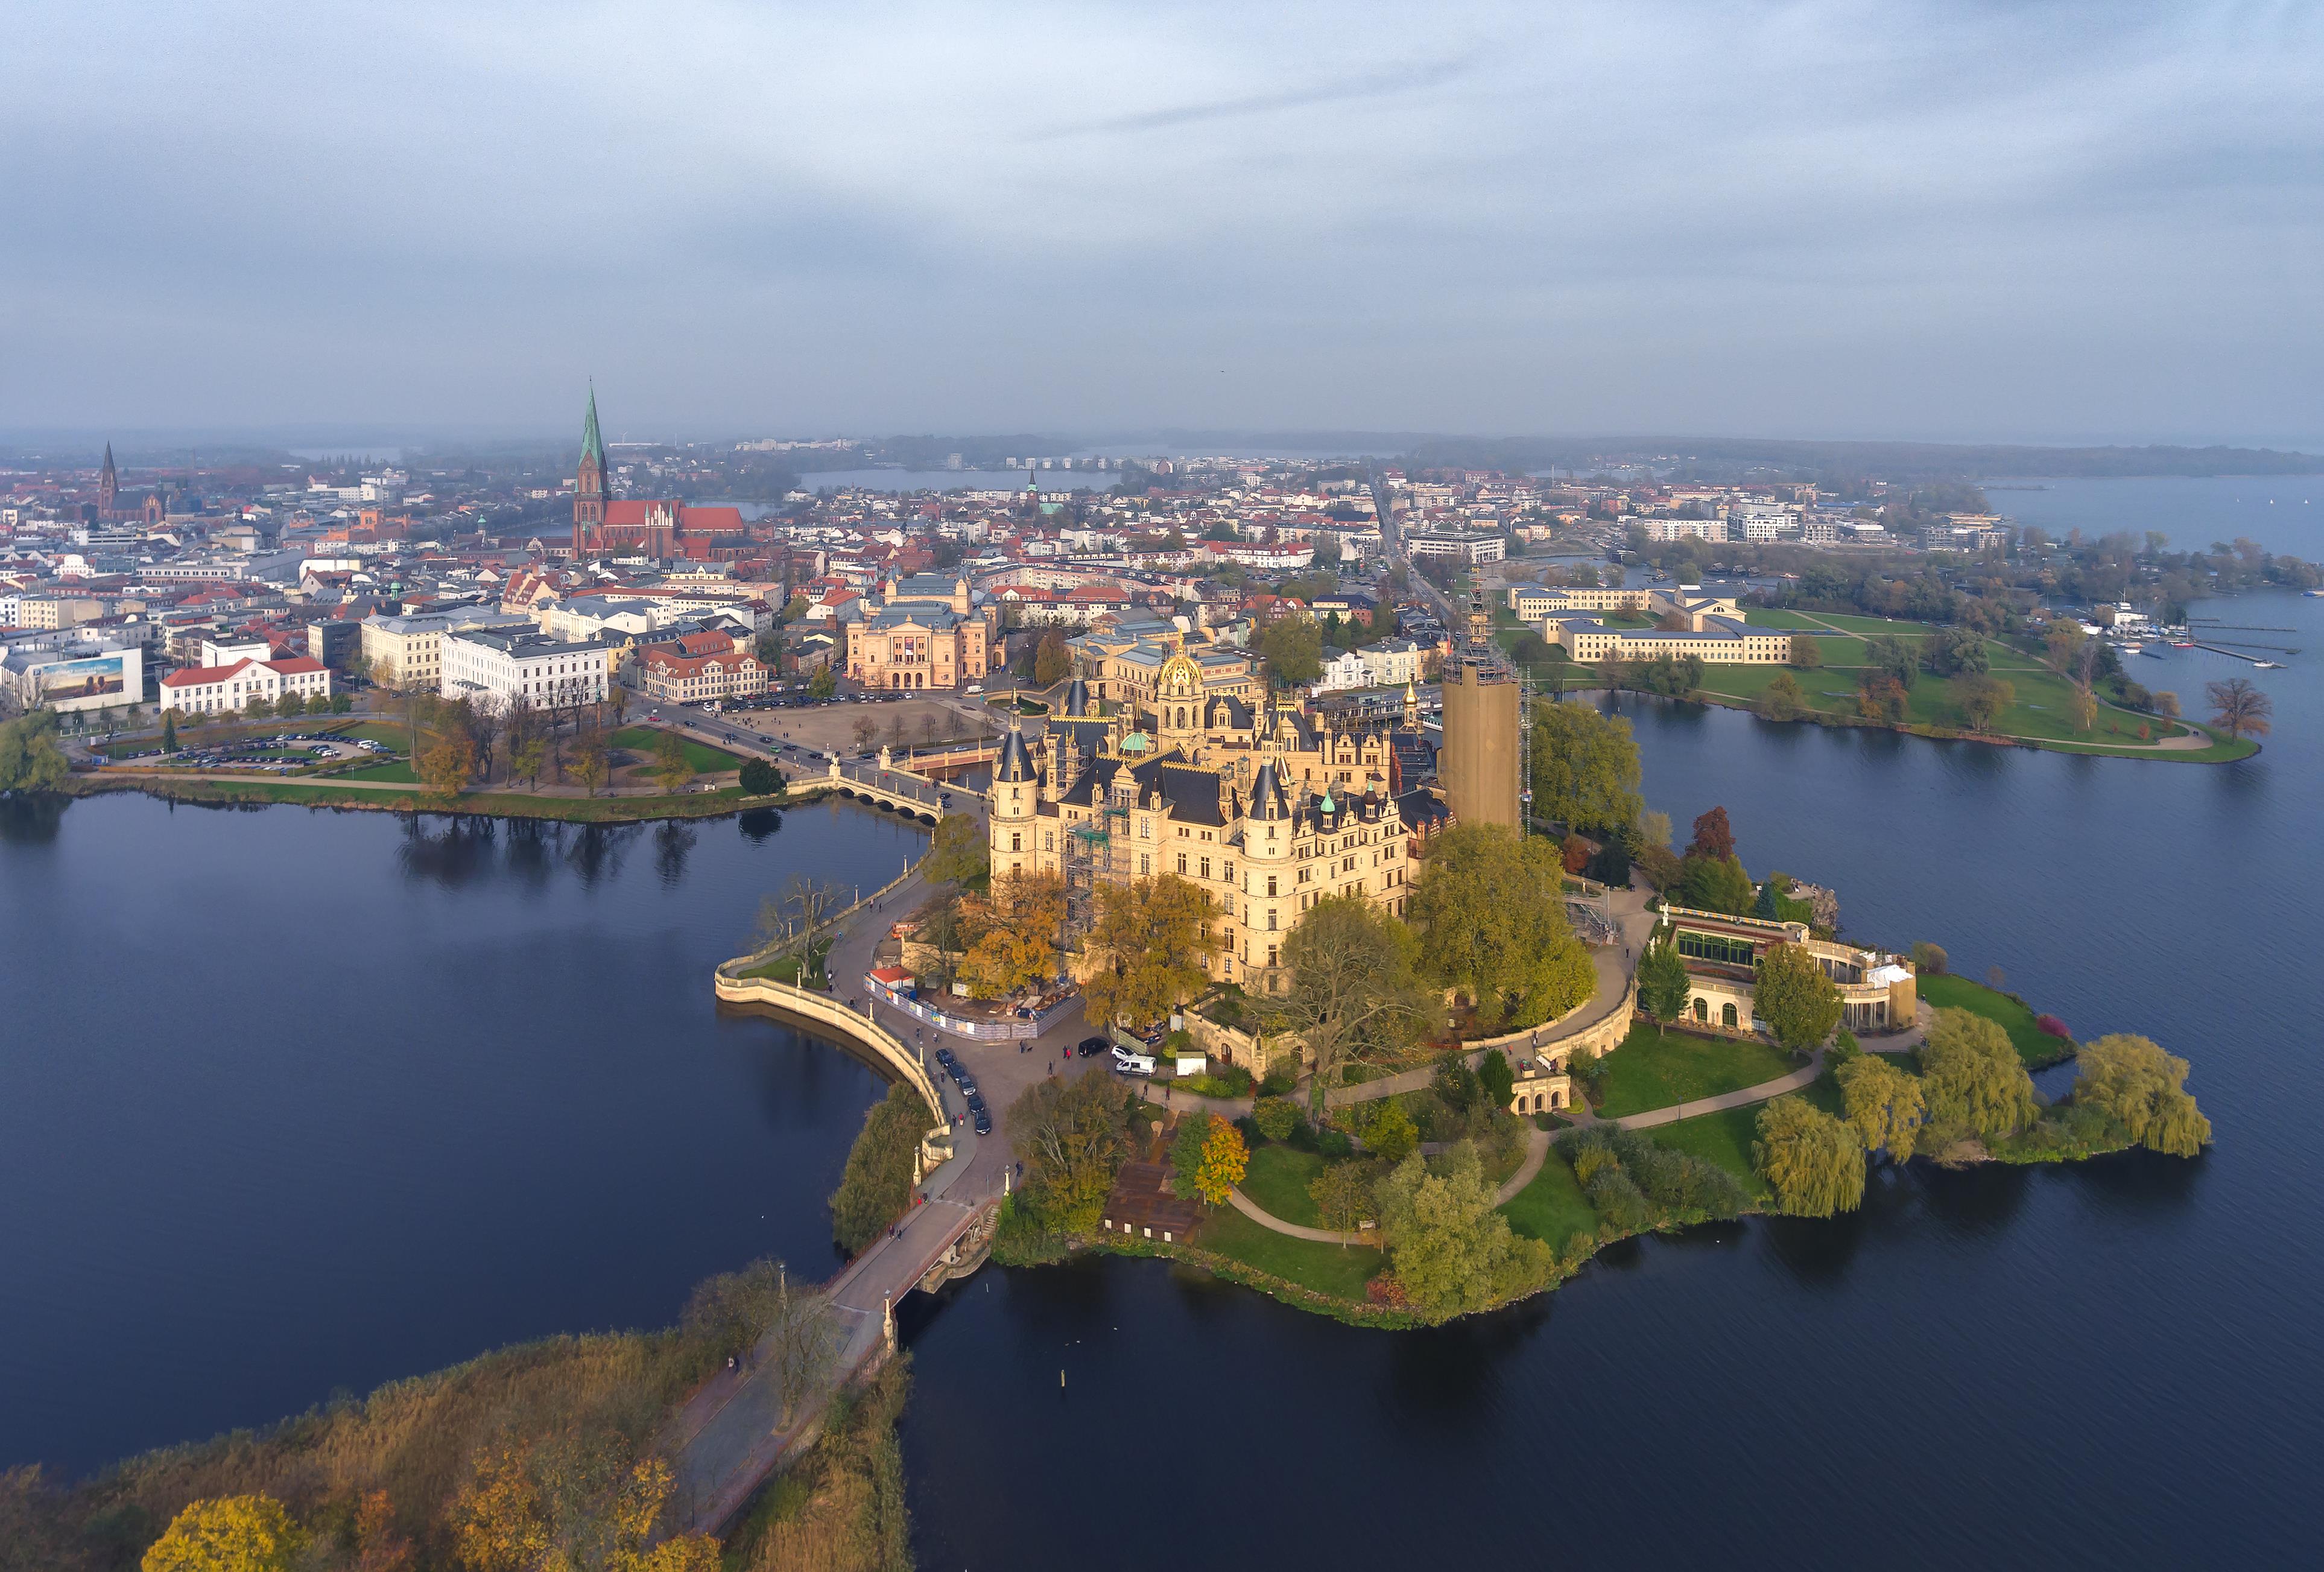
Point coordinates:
pixel 1277 1180
pixel 399 773
pixel 2033 1045
pixel 1553 1208
pixel 1654 1069
pixel 1725 1138
pixel 494 805
pixel 643 740
pixel 789 968
pixel 1339 1271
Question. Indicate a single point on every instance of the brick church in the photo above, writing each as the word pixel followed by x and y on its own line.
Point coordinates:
pixel 662 529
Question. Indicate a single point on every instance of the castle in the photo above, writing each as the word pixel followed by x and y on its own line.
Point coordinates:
pixel 1267 812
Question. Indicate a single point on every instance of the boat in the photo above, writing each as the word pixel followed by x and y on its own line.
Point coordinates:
pixel 2183 643
pixel 2314 594
pixel 2267 665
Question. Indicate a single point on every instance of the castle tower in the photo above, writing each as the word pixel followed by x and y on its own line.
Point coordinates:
pixel 1266 872
pixel 108 487
pixel 1016 801
pixel 589 485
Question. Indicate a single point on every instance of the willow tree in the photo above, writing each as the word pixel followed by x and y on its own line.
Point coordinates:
pixel 1813 1161
pixel 1490 907
pixel 1883 1103
pixel 1976 1084
pixel 1355 998
pixel 2142 1089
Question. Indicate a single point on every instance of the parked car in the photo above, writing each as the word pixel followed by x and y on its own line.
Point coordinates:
pixel 983 1124
pixel 1090 1046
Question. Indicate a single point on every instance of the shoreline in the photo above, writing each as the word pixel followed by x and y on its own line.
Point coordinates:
pixel 722 802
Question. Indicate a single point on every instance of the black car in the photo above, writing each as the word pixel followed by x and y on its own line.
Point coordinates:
pixel 1090 1046
pixel 967 1085
pixel 983 1122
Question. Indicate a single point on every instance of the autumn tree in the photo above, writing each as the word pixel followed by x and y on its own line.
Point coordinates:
pixel 1713 837
pixel 235 1533
pixel 1813 1161
pixel 1663 986
pixel 1585 767
pixel 1799 1001
pixel 2240 709
pixel 592 758
pixel 671 767
pixel 1806 654
pixel 1219 1155
pixel 1052 662
pixel 1070 1135
pixel 877 1184
pixel 1148 947
pixel 1879 696
pixel 1491 909
pixel 1782 699
pixel 1355 998
pixel 1011 932
pixel 1882 1103
pixel 448 762
pixel 2081 707
pixel 1974 1084
pixel 2144 1090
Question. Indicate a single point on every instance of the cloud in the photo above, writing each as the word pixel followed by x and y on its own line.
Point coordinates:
pixel 1380 83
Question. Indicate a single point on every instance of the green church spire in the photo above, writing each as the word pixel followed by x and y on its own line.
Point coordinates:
pixel 593 445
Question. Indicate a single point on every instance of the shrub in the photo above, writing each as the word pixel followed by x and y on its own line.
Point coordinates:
pixel 1390 1130
pixel 1593 1159
pixel 1929 960
pixel 2053 1026
pixel 1618 1201
pixel 1276 1117
pixel 1282 1077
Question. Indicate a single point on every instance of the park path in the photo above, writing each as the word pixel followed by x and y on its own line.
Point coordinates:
pixel 1538 1144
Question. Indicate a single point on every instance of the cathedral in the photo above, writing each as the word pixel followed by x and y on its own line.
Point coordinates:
pixel 662 529
pixel 1268 809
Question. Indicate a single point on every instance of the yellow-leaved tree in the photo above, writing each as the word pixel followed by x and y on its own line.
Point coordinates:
pixel 1225 1158
pixel 235 1533
pixel 1011 932
pixel 1148 943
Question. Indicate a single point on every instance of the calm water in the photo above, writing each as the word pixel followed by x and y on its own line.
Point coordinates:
pixel 2284 513
pixel 292 1101
pixel 2115 1365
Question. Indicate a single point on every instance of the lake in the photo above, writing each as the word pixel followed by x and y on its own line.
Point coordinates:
pixel 294 1101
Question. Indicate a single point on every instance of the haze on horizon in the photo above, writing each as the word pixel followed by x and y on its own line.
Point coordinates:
pixel 1948 220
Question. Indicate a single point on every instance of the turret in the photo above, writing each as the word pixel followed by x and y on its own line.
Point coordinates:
pixel 1016 797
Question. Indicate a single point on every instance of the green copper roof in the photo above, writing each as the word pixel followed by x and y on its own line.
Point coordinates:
pixel 593 445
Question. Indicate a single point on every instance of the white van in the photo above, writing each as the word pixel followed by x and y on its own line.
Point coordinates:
pixel 1132 1064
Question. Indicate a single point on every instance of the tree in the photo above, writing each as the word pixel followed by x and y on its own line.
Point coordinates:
pixel 671 767
pixel 1799 1003
pixel 1806 654
pixel 1813 1161
pixel 1449 1246
pixel 1293 648
pixel 877 1184
pixel 866 732
pixel 1982 698
pixel 1148 943
pixel 2082 707
pixel 1277 1117
pixel 1342 1198
pixel 1387 1129
pixel 528 746
pixel 2239 709
pixel 1889 654
pixel 1715 885
pixel 1883 1103
pixel 1070 1136
pixel 1585 767
pixel 958 853
pixel 824 684
pixel 1052 662
pixel 761 779
pixel 1957 653
pixel 1930 959
pixel 1221 1162
pixel 591 757
pixel 1495 1078
pixel 1975 1085
pixel 2064 641
pixel 1654 829
pixel 1782 698
pixel 169 731
pixel 2142 1089
pixel 1712 836
pixel 1664 985
pixel 1879 696
pixel 30 757
pixel 1490 907
pixel 1011 932
pixel 2166 704
pixel 448 762
pixel 235 1533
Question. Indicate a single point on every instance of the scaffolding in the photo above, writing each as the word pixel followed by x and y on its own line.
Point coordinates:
pixel 1093 849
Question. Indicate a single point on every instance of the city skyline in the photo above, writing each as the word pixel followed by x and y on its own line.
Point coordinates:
pixel 1993 223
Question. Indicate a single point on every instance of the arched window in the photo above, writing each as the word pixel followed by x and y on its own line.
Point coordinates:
pixel 1702 1010
pixel 1727 1016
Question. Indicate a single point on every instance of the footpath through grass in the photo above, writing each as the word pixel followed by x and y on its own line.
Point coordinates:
pixel 705 759
pixel 1277 1180
pixel 1654 1069
pixel 1552 1208
pixel 1725 1138
pixel 1340 1270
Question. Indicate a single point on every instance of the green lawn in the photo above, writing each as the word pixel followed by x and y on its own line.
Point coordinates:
pixel 1339 1271
pixel 789 968
pixel 706 760
pixel 2034 1046
pixel 1552 1208
pixel 399 773
pixel 493 805
pixel 1654 1069
pixel 1725 1138
pixel 1277 1179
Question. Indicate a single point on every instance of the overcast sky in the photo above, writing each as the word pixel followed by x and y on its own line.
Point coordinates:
pixel 1951 220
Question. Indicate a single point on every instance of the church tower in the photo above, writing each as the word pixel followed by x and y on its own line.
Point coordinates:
pixel 589 485
pixel 109 487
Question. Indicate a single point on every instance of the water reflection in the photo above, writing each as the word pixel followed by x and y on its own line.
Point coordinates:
pixel 758 823
pixel 28 820
pixel 673 844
